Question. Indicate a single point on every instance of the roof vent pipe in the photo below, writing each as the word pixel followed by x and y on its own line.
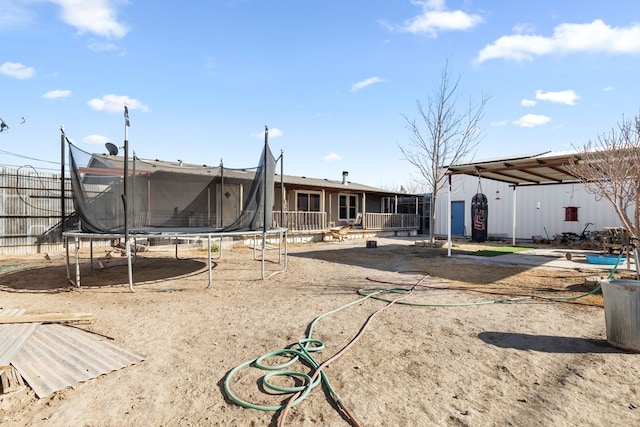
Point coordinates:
pixel 345 174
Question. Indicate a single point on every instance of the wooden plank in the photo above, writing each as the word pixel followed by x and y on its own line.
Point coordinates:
pixel 48 318
pixel 10 380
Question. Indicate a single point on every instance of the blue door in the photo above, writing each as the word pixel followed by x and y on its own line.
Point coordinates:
pixel 457 218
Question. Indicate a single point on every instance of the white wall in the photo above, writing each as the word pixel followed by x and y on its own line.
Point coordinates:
pixel 537 208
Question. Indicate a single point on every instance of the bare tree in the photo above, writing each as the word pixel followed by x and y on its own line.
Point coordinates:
pixel 445 134
pixel 609 168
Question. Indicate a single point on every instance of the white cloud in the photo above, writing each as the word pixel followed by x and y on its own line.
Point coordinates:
pixel 58 93
pixel 567 38
pixel 97 46
pixel 275 132
pixel 115 104
pixel 332 157
pixel 609 88
pixel 17 70
pixel 499 123
pixel 528 102
pixel 435 18
pixel 567 97
pixel 96 139
pixel 364 83
pixel 532 120
pixel 92 16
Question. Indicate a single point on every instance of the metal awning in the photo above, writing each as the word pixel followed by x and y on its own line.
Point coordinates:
pixel 546 168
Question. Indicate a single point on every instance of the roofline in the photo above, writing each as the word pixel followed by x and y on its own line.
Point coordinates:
pixel 208 170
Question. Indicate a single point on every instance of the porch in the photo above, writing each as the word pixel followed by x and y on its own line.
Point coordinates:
pixel 303 221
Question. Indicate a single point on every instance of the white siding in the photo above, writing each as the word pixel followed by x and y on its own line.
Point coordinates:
pixel 537 208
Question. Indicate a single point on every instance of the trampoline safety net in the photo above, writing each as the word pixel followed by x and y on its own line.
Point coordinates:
pixel 168 195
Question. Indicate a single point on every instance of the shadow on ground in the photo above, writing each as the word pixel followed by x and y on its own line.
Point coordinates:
pixel 547 343
pixel 433 261
pixel 53 278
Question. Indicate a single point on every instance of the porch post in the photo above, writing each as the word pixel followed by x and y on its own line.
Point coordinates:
pixel 322 209
pixel 364 210
pixel 513 231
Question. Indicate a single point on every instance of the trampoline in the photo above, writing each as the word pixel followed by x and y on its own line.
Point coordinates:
pixel 118 198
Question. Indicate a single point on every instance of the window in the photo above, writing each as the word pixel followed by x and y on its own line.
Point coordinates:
pixel 348 208
pixel 571 213
pixel 308 202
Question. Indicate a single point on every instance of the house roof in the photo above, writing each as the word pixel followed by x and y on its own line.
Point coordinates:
pixel 146 166
pixel 543 168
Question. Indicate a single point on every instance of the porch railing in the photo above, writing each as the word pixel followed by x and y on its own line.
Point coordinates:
pixel 387 221
pixel 301 220
pixel 317 221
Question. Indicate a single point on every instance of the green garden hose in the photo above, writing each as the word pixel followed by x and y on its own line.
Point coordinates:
pixel 303 352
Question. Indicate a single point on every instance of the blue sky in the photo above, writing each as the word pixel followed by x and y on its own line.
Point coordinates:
pixel 332 79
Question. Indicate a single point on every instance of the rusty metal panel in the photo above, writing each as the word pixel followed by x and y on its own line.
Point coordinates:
pixel 51 357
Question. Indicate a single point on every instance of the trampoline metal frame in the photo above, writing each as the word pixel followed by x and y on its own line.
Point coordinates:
pixel 78 236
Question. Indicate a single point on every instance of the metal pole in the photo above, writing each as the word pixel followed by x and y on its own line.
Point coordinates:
pixel 282 191
pixel 264 195
pixel 62 189
pixel 124 196
pixel 264 176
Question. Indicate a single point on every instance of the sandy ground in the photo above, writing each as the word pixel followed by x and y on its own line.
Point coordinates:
pixel 452 358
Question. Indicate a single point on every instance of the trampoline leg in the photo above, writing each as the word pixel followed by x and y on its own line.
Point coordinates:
pixel 286 251
pixel 91 252
pixel 262 260
pixel 255 243
pixel 77 262
pixel 128 246
pixel 280 249
pixel 65 241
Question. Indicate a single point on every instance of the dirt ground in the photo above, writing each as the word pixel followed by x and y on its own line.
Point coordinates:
pixel 479 344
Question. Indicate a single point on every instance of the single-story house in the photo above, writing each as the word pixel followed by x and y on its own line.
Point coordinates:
pixel 177 194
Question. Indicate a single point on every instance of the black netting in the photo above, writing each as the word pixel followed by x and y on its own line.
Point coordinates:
pixel 163 195
pixel 259 203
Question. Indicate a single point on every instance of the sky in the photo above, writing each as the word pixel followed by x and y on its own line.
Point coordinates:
pixel 334 81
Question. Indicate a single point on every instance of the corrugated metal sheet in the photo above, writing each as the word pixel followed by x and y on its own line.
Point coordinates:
pixel 30 206
pixel 51 357
pixel 13 336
